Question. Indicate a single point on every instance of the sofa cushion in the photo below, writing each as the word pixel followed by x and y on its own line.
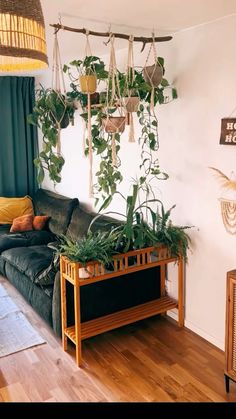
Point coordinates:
pixel 59 208
pixel 4 229
pixel 30 261
pixel 80 222
pixel 11 208
pixel 22 223
pixel 29 238
pixel 40 222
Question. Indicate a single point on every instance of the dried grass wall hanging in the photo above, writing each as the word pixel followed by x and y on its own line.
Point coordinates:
pixel 228 205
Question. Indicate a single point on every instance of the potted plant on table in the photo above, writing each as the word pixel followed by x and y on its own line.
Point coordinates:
pixel 146 224
pixel 98 246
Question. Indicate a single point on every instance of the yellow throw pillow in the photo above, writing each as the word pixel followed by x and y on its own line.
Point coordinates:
pixel 11 208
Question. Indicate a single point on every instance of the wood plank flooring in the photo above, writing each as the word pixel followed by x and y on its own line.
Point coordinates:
pixel 153 360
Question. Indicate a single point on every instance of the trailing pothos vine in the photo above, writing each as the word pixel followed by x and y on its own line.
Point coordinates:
pixel 52 109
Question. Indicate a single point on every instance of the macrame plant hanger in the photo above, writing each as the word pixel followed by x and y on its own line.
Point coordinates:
pixel 130 102
pixel 153 74
pixel 228 212
pixel 58 85
pixel 88 126
pixel 114 125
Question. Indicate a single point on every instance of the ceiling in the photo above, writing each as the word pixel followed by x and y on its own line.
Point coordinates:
pixel 163 15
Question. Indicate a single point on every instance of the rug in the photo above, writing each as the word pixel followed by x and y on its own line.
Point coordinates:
pixel 16 333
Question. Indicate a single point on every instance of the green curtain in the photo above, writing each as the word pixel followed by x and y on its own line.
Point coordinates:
pixel 18 139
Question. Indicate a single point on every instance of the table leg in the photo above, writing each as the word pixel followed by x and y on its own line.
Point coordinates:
pixel 77 325
pixel 181 292
pixel 63 310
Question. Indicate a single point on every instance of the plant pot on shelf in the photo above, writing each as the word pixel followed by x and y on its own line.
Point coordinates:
pixel 86 272
pixel 131 103
pixel 114 124
pixel 88 84
pixel 160 253
pixel 153 75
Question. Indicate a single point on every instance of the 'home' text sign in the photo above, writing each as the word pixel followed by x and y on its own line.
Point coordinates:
pixel 228 131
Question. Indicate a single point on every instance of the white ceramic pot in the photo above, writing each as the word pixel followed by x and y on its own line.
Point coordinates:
pixel 86 272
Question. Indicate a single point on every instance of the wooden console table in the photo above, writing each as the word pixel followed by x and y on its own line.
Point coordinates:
pixel 144 259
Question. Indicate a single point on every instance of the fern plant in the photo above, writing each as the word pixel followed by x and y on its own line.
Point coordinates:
pixel 97 246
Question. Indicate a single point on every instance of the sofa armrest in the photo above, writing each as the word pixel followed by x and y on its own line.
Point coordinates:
pixel 25 239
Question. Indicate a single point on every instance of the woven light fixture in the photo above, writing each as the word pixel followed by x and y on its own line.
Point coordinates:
pixel 22 36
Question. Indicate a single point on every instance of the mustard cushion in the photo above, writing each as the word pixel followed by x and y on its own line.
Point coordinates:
pixel 11 208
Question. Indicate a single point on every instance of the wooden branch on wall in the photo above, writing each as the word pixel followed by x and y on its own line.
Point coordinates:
pixel 142 39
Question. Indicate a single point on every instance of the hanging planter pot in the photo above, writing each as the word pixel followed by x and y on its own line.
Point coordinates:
pixel 131 103
pixel 114 124
pixel 64 121
pixel 88 84
pixel 153 74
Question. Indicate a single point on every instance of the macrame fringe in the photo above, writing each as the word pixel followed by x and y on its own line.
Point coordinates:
pixel 228 212
pixel 59 141
pixel 131 129
pixel 113 151
pixel 84 136
pixel 90 149
pixel 152 106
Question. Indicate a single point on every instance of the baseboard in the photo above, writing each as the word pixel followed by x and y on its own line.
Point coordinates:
pixel 198 331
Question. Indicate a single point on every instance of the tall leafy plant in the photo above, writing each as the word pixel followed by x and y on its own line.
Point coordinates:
pixel 52 112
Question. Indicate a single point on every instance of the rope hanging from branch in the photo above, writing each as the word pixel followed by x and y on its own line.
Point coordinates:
pixel 130 76
pixel 142 39
pixel 58 85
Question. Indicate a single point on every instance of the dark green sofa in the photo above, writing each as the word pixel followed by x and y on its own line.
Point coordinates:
pixel 24 256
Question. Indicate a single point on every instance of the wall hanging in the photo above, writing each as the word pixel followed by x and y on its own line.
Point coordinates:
pixel 228 200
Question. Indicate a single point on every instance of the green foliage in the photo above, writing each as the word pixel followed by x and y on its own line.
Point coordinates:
pixel 89 66
pixel 52 112
pixel 145 226
pixel 97 246
pixel 172 236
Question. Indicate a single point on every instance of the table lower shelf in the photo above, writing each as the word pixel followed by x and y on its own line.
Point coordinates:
pixel 121 318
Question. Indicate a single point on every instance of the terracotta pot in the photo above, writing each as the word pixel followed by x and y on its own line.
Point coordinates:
pixel 114 124
pixel 86 272
pixel 153 75
pixel 88 84
pixel 131 103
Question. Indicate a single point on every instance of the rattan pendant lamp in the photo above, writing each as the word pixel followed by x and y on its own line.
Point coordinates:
pixel 22 36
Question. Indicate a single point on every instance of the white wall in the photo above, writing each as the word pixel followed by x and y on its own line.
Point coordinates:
pixel 201 62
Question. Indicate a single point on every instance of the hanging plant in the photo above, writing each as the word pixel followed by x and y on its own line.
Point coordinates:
pixel 51 113
pixel 84 75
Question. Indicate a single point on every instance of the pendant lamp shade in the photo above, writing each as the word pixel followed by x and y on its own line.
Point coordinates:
pixel 22 36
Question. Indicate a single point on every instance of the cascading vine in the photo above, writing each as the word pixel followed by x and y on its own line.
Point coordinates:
pixel 129 97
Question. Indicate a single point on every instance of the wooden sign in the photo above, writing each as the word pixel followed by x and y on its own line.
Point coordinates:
pixel 228 131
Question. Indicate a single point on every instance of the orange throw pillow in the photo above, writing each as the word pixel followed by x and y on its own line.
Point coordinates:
pixel 23 223
pixel 40 221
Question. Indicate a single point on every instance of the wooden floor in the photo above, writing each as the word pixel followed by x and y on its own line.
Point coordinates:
pixel 152 360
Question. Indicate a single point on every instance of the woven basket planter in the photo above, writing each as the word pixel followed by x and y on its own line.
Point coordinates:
pixel 114 124
pixel 153 75
pixel 131 103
